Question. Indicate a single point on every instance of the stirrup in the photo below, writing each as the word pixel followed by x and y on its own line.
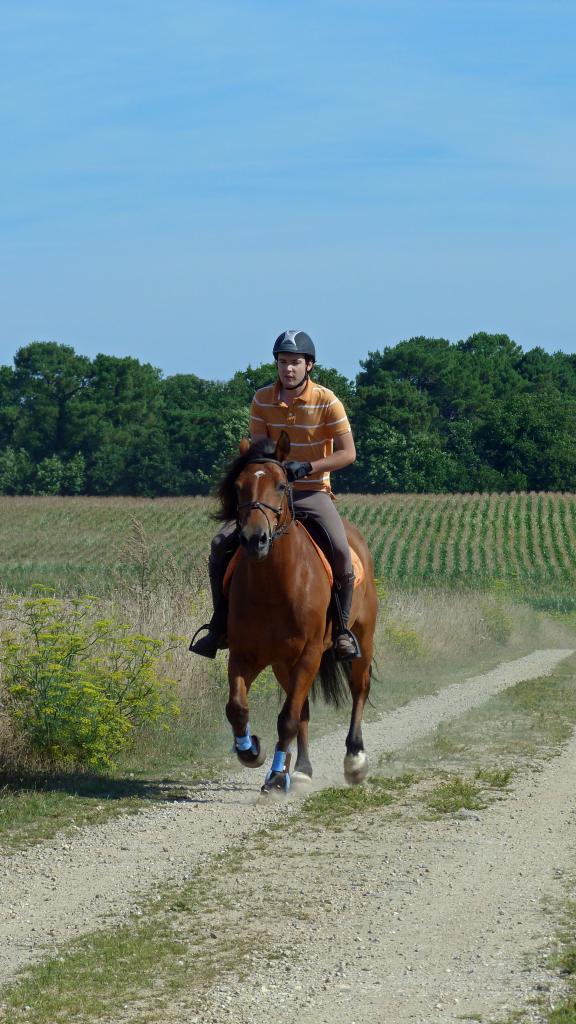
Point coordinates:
pixel 347 655
pixel 205 647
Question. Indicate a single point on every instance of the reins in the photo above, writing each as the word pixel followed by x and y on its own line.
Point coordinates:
pixel 260 506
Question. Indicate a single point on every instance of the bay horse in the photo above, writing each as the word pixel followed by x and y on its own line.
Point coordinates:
pixel 279 615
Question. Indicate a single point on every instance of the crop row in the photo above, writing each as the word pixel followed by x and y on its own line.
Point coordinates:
pixel 89 543
pixel 469 537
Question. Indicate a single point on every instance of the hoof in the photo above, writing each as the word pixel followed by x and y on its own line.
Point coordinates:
pixel 355 768
pixel 277 784
pixel 301 781
pixel 254 757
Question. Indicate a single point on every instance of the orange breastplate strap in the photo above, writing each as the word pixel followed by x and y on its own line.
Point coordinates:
pixel 356 562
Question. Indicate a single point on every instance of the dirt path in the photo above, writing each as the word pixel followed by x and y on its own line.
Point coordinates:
pixel 396 925
pixel 424 923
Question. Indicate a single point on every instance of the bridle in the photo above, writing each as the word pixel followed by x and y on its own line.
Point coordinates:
pixel 261 506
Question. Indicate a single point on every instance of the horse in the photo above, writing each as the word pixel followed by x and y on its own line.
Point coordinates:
pixel 279 602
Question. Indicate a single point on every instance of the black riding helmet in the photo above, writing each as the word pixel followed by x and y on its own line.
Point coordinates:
pixel 297 343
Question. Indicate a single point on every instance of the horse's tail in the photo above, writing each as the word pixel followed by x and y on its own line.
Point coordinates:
pixel 332 679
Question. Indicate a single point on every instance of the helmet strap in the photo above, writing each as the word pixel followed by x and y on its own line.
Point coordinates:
pixel 294 387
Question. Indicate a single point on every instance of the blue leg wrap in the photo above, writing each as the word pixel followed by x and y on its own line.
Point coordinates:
pixel 278 765
pixel 244 742
pixel 279 762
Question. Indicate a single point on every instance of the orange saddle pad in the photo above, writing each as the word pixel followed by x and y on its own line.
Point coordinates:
pixel 356 562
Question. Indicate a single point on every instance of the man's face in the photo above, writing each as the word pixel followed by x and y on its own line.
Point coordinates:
pixel 292 369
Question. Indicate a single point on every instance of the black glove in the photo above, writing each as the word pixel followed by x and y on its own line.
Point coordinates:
pixel 297 470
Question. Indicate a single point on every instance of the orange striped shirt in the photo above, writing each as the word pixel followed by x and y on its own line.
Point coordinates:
pixel 312 422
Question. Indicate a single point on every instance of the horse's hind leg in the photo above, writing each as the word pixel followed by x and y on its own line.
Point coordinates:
pixel 302 773
pixel 355 761
pixel 296 683
pixel 303 767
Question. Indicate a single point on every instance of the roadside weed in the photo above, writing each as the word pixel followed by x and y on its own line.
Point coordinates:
pixel 454 795
pixel 496 778
pixel 330 805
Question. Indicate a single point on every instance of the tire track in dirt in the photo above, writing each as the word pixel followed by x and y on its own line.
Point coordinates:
pixel 410 922
pixel 98 875
pixel 421 716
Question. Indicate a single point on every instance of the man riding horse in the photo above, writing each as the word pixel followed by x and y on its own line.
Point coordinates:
pixel 320 435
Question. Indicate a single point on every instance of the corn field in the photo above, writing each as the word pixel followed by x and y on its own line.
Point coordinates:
pixel 469 538
pixel 92 544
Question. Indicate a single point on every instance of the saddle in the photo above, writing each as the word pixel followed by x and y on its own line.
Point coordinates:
pixel 356 562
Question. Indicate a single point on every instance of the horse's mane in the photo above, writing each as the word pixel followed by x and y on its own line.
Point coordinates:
pixel 226 492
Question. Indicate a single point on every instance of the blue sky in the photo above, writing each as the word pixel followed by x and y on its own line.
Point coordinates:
pixel 182 181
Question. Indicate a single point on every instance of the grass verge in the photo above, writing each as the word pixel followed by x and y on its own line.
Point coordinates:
pixel 330 806
pixel 524 724
pixel 562 960
pixel 34 807
pixel 178 946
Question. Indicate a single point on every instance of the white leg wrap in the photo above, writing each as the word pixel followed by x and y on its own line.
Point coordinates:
pixel 301 779
pixel 355 768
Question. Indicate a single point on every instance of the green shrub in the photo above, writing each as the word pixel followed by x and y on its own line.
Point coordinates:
pixel 497 622
pixel 403 639
pixel 77 686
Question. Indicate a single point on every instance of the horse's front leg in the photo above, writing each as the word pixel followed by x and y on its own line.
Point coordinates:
pixel 290 723
pixel 240 677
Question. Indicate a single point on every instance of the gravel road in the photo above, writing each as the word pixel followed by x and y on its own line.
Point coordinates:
pixel 432 922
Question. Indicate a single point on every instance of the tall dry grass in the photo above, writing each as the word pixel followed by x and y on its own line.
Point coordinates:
pixel 424 639
pixel 147 559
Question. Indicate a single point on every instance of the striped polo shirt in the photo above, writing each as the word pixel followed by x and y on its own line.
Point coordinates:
pixel 311 422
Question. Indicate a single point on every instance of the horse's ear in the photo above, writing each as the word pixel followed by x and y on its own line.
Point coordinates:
pixel 282 447
pixel 244 445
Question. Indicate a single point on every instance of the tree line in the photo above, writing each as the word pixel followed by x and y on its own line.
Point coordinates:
pixel 428 416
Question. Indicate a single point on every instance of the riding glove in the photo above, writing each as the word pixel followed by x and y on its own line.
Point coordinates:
pixel 297 470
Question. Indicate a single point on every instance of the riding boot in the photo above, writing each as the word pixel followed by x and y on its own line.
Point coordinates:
pixel 346 646
pixel 215 639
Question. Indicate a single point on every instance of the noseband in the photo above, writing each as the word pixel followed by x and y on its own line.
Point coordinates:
pixel 261 505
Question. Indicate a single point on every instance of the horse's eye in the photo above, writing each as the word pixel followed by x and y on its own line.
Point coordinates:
pixel 281 487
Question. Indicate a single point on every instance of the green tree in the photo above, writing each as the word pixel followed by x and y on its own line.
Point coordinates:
pixel 9 406
pixel 122 428
pixel 74 475
pixel 48 380
pixel 48 477
pixel 530 441
pixel 201 418
pixel 16 471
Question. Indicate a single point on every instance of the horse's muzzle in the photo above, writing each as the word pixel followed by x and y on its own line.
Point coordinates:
pixel 256 544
